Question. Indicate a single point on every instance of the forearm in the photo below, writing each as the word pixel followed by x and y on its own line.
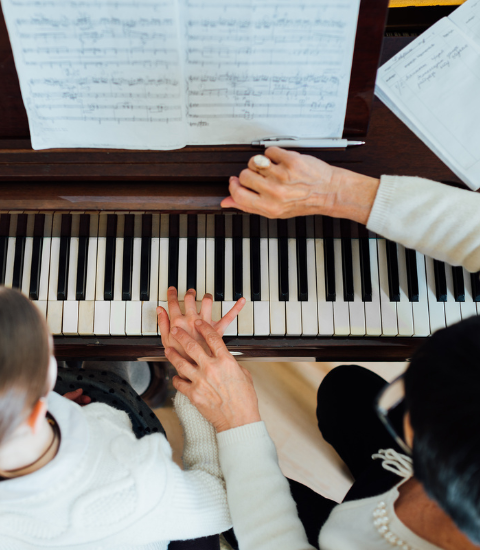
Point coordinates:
pixel 263 511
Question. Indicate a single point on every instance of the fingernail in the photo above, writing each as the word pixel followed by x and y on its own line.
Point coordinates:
pixel 198 322
pixel 174 330
pixel 261 161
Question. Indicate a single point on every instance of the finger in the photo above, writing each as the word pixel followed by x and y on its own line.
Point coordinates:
pixel 279 156
pixel 84 399
pixel 191 347
pixel 259 163
pixel 73 394
pixel 173 305
pixel 183 386
pixel 184 368
pixel 206 309
pixel 244 198
pixel 255 182
pixel 212 338
pixel 163 322
pixel 190 306
pixel 221 326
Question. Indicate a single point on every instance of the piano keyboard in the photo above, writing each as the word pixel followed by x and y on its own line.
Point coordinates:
pixel 105 274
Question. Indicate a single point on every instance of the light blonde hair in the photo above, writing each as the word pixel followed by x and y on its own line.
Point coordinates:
pixel 24 359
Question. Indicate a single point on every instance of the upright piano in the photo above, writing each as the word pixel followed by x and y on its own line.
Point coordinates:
pixel 95 237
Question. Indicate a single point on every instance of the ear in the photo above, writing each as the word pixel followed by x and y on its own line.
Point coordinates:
pixel 38 413
pixel 52 373
pixel 408 430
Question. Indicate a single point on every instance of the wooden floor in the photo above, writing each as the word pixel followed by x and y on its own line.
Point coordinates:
pixel 287 396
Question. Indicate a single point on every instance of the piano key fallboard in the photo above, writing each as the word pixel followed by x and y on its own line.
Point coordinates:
pixel 102 275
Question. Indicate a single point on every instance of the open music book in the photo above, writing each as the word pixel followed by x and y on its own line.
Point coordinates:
pixel 433 86
pixel 161 74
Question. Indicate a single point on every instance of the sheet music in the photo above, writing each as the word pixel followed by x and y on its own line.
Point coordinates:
pixel 158 74
pixel 432 85
pixel 99 73
pixel 270 68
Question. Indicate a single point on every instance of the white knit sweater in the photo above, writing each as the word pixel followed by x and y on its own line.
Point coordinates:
pixel 435 219
pixel 107 489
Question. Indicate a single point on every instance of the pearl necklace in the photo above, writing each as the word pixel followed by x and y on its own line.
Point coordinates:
pixel 381 522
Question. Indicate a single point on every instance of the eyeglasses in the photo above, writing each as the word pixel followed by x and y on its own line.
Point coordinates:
pixel 388 399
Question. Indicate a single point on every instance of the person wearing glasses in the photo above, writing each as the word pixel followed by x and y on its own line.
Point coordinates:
pixel 417 483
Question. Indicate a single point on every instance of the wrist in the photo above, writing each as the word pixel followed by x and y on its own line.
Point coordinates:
pixel 237 422
pixel 355 196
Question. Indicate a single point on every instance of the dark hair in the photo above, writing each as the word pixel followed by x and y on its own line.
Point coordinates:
pixel 442 390
pixel 24 358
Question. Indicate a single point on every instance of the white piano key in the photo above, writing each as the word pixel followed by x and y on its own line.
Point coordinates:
pixel 261 318
pixel 45 259
pixel 245 320
pixel 277 318
pixel 309 308
pixel 11 251
pixel 154 262
pixel 325 309
pixel 421 322
pixel 133 317
pixel 210 256
pixel 247 292
pixel 452 308
pixel 165 307
pixel 100 278
pixel 137 258
pixel 118 269
pixel 163 264
pixel 278 325
pixel 91 274
pixel 216 311
pixel 404 307
pixel 468 308
pixel 42 307
pixel 73 261
pixel 231 330
pixel 373 319
pixel 201 258
pixel 292 262
pixel 117 318
pixel 341 314
pixel 27 259
pixel 388 309
pixel 182 256
pixel 228 258
pixel 357 308
pixel 101 325
pixel 436 310
pixel 54 260
pixel 70 317
pixel 293 315
pixel 149 318
pixel 54 316
pixel 264 263
pixel 86 315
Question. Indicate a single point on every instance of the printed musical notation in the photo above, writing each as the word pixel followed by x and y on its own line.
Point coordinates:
pixel 158 74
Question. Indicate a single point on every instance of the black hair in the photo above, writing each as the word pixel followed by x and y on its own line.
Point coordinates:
pixel 442 391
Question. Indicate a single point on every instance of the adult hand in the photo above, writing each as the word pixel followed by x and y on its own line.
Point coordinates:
pixel 214 382
pixel 187 321
pixel 284 184
pixel 77 397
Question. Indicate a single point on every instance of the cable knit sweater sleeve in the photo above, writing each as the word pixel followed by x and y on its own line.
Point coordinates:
pixel 433 218
pixel 263 511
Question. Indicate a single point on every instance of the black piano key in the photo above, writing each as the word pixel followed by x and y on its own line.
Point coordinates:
pixel 282 233
pixel 302 277
pixel 110 247
pixel 127 264
pixel 192 226
pixel 255 273
pixel 146 257
pixel 219 258
pixel 412 275
pixel 440 281
pixel 38 228
pixel 458 283
pixel 64 258
pixel 83 235
pixel 173 243
pixel 366 273
pixel 4 230
pixel 237 228
pixel 329 256
pixel 475 277
pixel 393 276
pixel 347 270
pixel 20 235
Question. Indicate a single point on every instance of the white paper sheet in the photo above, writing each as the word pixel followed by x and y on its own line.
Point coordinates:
pixel 159 74
pixel 432 86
